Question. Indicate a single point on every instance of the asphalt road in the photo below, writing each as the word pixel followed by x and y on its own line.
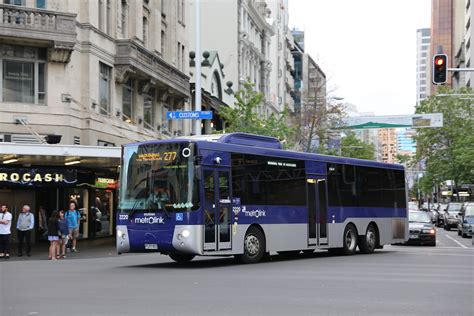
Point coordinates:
pixel 399 280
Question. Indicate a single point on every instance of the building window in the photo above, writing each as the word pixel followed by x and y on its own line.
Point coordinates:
pixel 163 43
pixel 104 88
pixel 183 63
pixel 127 101
pixel 105 143
pixel 181 11
pixel 163 8
pixel 23 74
pixel 41 4
pixel 148 111
pixel 178 64
pixel 124 18
pixel 108 17
pixel 14 2
pixel 145 31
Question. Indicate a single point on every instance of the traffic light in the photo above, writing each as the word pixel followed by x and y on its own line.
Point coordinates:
pixel 440 68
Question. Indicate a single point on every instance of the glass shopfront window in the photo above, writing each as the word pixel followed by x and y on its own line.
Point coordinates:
pixel 23 74
pixel 101 214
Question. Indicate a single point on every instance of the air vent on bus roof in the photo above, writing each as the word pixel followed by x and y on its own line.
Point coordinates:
pixel 250 140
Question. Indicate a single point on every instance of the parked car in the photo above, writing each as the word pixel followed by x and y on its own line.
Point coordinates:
pixel 422 231
pixel 441 209
pixel 451 216
pixel 466 220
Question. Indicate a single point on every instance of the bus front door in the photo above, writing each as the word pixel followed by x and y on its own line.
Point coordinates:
pixel 317 210
pixel 217 210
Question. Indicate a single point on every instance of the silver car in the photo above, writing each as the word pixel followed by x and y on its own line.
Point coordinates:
pixel 451 216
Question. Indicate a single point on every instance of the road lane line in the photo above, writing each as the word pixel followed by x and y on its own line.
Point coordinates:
pixel 456 242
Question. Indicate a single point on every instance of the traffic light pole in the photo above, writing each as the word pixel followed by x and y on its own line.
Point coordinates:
pixel 460 69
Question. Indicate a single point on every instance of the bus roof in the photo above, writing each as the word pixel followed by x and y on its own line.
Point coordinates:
pixel 266 146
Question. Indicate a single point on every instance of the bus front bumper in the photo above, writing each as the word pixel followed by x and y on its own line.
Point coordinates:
pixel 122 239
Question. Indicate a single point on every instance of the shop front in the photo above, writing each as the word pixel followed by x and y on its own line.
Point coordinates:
pixel 46 183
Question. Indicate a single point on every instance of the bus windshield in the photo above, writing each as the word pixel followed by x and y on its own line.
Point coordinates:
pixel 159 177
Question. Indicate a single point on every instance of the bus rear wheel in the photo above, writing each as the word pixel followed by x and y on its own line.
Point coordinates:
pixel 350 240
pixel 254 246
pixel 181 258
pixel 368 243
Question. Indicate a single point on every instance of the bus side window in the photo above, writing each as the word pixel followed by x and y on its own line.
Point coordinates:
pixel 349 177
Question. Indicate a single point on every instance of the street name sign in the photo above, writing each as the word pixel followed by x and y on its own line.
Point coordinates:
pixel 189 115
pixel 394 121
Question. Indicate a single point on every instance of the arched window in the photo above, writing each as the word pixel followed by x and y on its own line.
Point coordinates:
pixel 216 89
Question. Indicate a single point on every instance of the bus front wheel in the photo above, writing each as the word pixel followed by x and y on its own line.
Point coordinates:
pixel 254 246
pixel 181 258
pixel 350 240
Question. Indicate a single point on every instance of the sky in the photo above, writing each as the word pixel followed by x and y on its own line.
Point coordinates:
pixel 367 48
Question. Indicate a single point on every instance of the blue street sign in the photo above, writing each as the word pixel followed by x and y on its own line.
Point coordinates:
pixel 189 115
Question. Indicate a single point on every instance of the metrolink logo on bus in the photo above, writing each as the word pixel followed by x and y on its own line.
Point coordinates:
pixel 150 220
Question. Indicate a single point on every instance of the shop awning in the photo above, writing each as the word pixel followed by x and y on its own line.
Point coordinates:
pixel 13 154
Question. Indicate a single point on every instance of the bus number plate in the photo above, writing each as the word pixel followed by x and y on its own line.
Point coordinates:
pixel 151 246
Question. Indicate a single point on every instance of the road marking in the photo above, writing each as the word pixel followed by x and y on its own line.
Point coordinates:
pixel 456 241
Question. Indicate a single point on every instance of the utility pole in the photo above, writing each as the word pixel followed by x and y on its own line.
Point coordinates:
pixel 197 92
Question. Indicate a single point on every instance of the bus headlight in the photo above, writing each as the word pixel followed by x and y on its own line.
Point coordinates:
pixel 186 233
pixel 120 234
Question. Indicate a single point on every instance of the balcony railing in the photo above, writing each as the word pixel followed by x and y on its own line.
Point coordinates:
pixel 52 27
pixel 134 56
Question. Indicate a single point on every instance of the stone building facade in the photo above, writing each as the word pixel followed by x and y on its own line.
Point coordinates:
pixel 96 72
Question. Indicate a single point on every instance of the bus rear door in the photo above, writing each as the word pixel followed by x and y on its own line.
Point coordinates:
pixel 317 210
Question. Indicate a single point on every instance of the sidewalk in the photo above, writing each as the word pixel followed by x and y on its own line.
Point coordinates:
pixel 97 248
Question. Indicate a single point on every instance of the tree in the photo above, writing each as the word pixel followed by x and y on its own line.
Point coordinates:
pixel 353 147
pixel 319 117
pixel 448 151
pixel 243 117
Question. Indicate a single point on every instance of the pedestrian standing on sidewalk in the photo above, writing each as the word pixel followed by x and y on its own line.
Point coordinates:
pixel 24 226
pixel 53 235
pixel 42 223
pixel 73 219
pixel 5 231
pixel 63 234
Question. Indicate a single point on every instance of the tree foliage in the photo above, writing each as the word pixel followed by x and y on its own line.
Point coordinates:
pixel 243 117
pixel 448 151
pixel 353 147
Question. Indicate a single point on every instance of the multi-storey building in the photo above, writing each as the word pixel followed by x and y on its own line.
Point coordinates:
pixel 314 83
pixel 469 51
pixel 387 144
pixel 297 53
pixel 86 74
pixel 96 72
pixel 423 63
pixel 281 45
pixel 406 144
pixel 241 32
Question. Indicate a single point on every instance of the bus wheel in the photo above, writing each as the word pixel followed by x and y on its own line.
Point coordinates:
pixel 368 242
pixel 350 240
pixel 254 246
pixel 181 258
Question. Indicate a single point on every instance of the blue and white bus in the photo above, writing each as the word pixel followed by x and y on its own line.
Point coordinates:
pixel 242 195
